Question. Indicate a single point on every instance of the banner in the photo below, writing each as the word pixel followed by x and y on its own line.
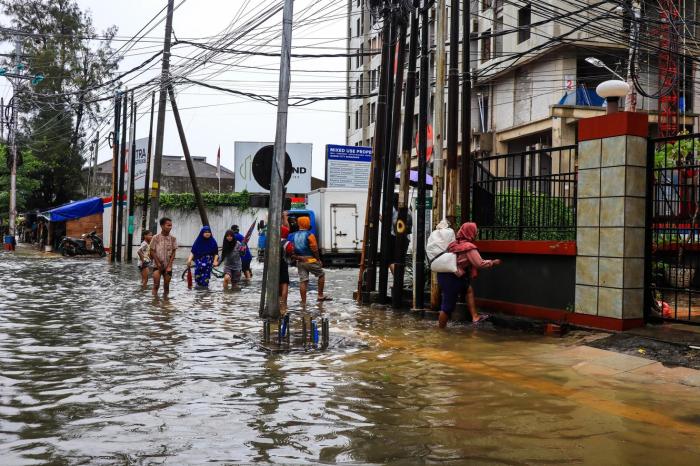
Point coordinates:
pixel 299 179
pixel 347 166
pixel 141 162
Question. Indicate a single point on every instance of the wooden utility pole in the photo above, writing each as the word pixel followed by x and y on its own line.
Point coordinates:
pixel 439 116
pixel 368 264
pixel 132 179
pixel 453 115
pixel 465 174
pixel 115 178
pixel 389 254
pixel 122 162
pixel 419 272
pixel 160 129
pixel 407 145
pixel 271 308
pixel 147 180
pixel 188 159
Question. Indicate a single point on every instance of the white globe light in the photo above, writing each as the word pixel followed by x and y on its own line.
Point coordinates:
pixel 612 88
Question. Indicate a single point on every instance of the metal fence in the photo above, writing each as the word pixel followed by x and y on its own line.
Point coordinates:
pixel 526 195
pixel 673 247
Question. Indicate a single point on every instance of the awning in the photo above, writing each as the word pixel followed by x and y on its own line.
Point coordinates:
pixel 77 209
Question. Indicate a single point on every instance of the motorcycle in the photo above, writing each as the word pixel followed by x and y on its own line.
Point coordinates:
pixel 78 247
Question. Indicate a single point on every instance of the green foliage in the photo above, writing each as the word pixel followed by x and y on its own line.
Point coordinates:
pixel 27 180
pixel 674 154
pixel 186 201
pixel 542 217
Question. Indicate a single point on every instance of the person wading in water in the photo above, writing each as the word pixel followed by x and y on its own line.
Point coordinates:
pixel 163 248
pixel 469 262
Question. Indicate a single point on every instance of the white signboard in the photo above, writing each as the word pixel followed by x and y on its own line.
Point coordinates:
pixel 300 155
pixel 141 162
pixel 348 166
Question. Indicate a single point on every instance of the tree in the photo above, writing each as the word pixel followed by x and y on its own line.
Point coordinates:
pixel 60 41
pixel 27 180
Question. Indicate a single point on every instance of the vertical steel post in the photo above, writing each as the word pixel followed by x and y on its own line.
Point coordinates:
pixel 115 178
pixel 132 175
pixel 407 145
pixel 465 174
pixel 160 128
pixel 147 180
pixel 273 256
pixel 122 161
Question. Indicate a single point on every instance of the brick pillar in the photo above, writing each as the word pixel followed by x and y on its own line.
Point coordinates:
pixel 612 153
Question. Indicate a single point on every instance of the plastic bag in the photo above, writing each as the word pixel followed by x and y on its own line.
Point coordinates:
pixel 436 249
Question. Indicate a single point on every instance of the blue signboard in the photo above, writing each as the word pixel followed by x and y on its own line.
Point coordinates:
pixel 347 166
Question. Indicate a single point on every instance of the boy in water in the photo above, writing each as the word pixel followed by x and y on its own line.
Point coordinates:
pixel 144 253
pixel 163 247
pixel 308 258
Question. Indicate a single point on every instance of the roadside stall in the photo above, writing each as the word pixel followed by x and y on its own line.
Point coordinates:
pixel 73 220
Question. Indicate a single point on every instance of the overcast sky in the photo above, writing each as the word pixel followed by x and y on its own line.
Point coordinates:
pixel 214 119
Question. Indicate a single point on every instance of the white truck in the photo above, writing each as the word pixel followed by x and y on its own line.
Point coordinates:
pixel 337 219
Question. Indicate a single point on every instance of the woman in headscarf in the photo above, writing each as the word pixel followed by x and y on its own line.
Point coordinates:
pixel 469 261
pixel 231 252
pixel 204 253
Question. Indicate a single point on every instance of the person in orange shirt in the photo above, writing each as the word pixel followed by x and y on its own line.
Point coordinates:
pixel 308 259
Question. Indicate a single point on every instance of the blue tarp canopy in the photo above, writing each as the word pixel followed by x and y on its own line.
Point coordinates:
pixel 77 209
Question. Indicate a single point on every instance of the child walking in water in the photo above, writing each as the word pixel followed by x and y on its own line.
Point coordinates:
pixel 231 253
pixel 144 253
pixel 204 254
pixel 163 249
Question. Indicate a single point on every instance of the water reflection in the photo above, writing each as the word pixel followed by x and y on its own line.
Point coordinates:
pixel 94 370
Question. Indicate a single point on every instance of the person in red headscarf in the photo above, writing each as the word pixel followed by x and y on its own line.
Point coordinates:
pixel 469 262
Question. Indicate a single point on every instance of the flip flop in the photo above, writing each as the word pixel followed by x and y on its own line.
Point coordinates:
pixel 325 298
pixel 482 317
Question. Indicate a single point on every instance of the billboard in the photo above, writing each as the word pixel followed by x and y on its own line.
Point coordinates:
pixel 140 166
pixel 253 162
pixel 347 166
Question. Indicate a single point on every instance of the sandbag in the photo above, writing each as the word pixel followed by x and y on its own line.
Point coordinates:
pixel 446 262
pixel 436 249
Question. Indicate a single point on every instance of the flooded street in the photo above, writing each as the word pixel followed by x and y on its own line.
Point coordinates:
pixel 95 371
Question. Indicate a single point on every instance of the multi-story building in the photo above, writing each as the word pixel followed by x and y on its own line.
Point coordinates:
pixel 531 79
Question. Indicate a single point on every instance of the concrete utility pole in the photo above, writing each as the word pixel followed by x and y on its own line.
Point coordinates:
pixel 13 141
pixel 465 174
pixel 271 310
pixel 453 114
pixel 115 178
pixel 631 100
pixel 160 128
pixel 132 178
pixel 146 182
pixel 439 115
pixel 120 196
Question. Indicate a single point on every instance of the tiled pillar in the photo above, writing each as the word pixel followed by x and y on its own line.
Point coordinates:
pixel 611 219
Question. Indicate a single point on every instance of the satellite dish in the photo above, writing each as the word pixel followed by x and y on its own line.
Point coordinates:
pixel 262 167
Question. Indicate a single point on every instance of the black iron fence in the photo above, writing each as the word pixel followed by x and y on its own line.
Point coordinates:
pixel 673 233
pixel 526 195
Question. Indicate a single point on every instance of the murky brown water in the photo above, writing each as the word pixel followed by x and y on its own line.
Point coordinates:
pixel 94 371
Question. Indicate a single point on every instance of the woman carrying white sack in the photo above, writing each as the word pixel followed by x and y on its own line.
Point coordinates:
pixel 457 276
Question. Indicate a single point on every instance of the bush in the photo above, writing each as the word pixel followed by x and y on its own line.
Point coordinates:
pixel 186 201
pixel 543 217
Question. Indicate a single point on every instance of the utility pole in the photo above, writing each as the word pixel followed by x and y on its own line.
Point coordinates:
pixel 274 220
pixel 407 143
pixel 439 116
pixel 389 168
pixel 160 128
pixel 631 100
pixel 453 115
pixel 115 178
pixel 122 161
pixel 13 140
pixel 188 159
pixel 132 179
pixel 147 180
pixel 368 263
pixel 465 174
pixel 419 272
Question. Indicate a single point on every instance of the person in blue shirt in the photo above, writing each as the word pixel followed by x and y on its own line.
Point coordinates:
pixel 247 258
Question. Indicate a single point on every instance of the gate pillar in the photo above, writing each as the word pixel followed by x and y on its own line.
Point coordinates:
pixel 610 223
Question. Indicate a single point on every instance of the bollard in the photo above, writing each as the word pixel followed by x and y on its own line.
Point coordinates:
pixel 325 330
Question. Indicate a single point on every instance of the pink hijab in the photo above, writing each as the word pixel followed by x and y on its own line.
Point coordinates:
pixel 463 243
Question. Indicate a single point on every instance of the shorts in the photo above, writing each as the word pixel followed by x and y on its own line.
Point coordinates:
pixel 306 268
pixel 234 274
pixel 147 265
pixel 246 265
pixel 451 287
pixel 284 272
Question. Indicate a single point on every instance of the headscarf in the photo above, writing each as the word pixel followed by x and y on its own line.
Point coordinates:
pixel 203 246
pixel 462 244
pixel 227 246
pixel 304 223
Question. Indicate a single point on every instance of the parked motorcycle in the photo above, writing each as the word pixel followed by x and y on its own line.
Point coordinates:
pixel 78 247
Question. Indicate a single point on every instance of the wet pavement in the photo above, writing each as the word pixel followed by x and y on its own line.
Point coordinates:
pixel 95 371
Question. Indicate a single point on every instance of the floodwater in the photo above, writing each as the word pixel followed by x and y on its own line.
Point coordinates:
pixel 95 371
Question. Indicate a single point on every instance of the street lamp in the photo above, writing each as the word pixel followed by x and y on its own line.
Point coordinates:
pixel 598 63
pixel 611 91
